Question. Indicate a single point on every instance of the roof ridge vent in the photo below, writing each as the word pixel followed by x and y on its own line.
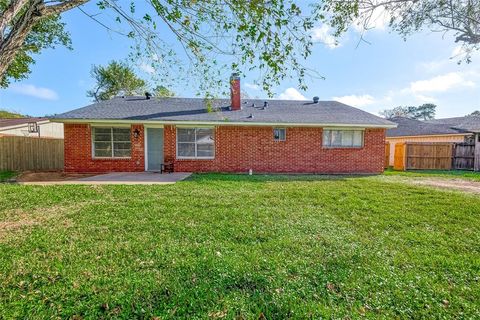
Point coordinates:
pixel 316 99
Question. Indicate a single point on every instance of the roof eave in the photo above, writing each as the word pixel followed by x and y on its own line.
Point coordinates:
pixel 225 123
pixel 430 135
pixel 18 126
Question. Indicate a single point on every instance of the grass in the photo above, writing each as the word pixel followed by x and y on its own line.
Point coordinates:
pixel 5 175
pixel 468 175
pixel 10 115
pixel 227 246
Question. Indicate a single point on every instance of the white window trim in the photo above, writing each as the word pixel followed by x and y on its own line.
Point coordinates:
pixel 111 133
pixel 343 147
pixel 280 128
pixel 195 157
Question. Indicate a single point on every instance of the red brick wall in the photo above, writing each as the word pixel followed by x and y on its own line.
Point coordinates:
pixel 237 149
pixel 78 152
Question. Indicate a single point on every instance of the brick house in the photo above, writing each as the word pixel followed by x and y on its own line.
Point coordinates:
pixel 225 135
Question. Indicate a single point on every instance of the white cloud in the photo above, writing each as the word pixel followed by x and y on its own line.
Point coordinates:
pixel 252 86
pixel 323 34
pixel 356 100
pixel 434 65
pixel 377 19
pixel 440 83
pixel 424 98
pixel 291 94
pixel 458 52
pixel 34 91
pixel 147 68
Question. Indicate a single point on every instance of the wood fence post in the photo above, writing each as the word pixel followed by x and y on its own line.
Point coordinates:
pixel 476 165
pixel 387 155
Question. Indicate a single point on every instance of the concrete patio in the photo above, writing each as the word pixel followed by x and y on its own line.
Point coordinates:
pixel 127 178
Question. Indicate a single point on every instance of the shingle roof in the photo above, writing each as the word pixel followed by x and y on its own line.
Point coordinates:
pixel 18 121
pixel 411 127
pixel 195 110
pixel 467 123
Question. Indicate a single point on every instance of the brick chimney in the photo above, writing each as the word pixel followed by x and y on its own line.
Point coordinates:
pixel 235 103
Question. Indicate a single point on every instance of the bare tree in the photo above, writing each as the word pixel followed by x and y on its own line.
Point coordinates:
pixel 460 17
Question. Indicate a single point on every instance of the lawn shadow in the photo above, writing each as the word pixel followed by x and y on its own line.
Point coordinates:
pixel 272 177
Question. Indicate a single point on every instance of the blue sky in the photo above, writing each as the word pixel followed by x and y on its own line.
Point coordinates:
pixel 383 74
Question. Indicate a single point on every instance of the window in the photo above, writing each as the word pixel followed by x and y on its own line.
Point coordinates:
pixel 279 134
pixel 343 138
pixel 111 142
pixel 195 143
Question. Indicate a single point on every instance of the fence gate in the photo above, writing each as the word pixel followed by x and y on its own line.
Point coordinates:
pixel 463 156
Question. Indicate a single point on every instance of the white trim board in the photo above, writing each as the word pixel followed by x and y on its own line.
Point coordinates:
pixel 221 123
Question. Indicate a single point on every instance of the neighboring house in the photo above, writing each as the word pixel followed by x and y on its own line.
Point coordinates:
pixel 138 133
pixel 460 129
pixel 31 127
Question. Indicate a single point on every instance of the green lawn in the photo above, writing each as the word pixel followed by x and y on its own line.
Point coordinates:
pixel 239 247
pixel 469 175
pixel 5 175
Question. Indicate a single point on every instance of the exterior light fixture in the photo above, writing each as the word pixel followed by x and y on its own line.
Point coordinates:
pixel 136 133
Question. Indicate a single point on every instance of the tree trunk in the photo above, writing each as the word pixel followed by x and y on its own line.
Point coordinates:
pixel 15 39
pixel 7 16
pixel 35 10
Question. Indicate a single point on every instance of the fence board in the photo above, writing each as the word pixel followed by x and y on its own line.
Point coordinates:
pixel 387 155
pixel 29 153
pixel 429 156
pixel 463 156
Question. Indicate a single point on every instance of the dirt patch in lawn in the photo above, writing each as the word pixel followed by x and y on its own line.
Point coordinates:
pixel 20 219
pixel 463 185
pixel 50 176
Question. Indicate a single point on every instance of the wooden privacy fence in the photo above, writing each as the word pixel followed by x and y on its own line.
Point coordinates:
pixel 437 156
pixel 387 155
pixel 429 156
pixel 463 156
pixel 28 153
pixel 399 157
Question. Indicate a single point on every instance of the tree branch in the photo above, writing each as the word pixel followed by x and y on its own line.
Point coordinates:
pixel 62 7
pixel 7 16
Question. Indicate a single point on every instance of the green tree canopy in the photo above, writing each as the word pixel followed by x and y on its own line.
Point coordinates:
pixel 163 92
pixel 400 111
pixel 113 79
pixel 217 36
pixel 47 32
pixel 425 112
pixel 272 36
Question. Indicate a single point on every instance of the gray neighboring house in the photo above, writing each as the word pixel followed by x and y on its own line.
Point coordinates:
pixel 457 129
pixel 31 127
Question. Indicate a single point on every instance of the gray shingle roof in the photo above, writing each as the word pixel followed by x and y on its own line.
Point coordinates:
pixel 18 121
pixel 467 123
pixel 411 127
pixel 195 110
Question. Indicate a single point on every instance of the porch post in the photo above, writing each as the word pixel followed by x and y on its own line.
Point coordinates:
pixel 477 152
